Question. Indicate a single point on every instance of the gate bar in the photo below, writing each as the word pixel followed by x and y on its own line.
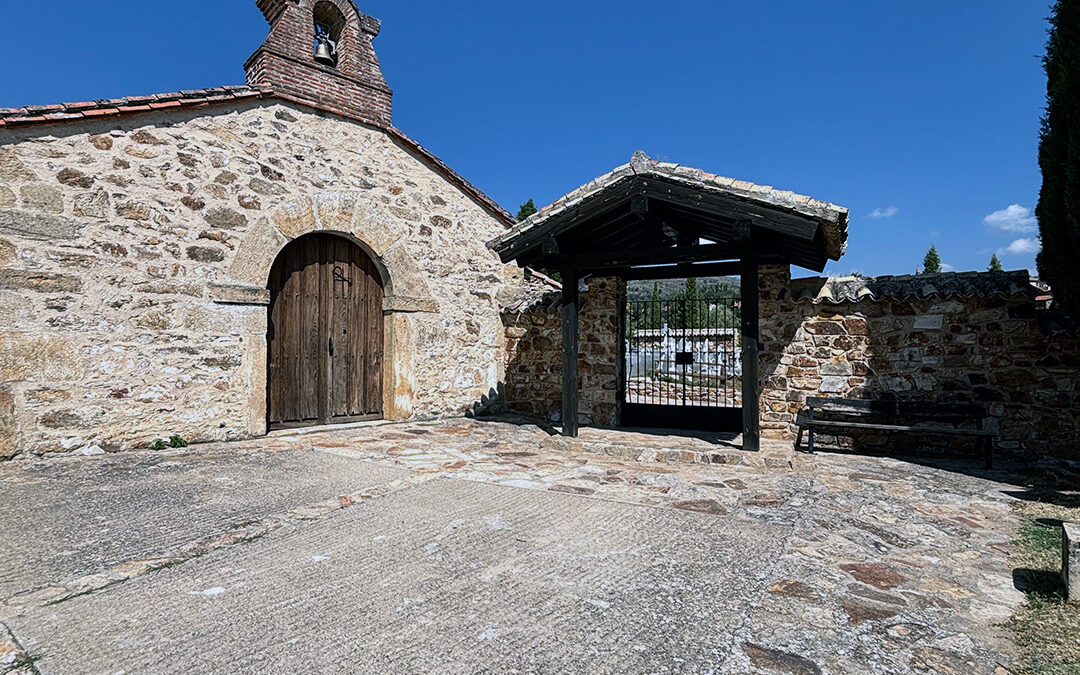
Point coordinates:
pixel 748 285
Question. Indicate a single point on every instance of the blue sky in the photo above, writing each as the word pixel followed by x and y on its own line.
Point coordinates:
pixel 922 117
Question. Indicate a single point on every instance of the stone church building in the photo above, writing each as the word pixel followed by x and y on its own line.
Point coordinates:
pixel 214 264
pixel 162 258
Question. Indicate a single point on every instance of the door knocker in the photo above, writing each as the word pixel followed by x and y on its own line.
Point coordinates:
pixel 339 275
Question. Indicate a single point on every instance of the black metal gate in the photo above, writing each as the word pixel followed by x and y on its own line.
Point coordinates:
pixel 681 364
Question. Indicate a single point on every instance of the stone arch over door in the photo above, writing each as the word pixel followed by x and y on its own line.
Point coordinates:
pixel 367 225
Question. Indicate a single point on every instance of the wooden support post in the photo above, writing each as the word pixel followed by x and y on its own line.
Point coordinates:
pixel 570 352
pixel 748 284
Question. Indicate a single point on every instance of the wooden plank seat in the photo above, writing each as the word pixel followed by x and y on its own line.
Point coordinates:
pixel 920 417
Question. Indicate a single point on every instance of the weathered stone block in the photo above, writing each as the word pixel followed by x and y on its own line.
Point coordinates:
pixel 226 219
pixel 335 210
pixel 373 227
pixel 74 178
pixel 929 322
pixel 824 328
pixel 233 294
pixel 42 282
pixel 295 217
pixel 205 254
pixel 147 138
pixel 833 385
pixel 93 205
pixel 12 169
pixel 26 356
pixel 132 210
pixel 9 431
pixel 192 289
pixel 265 187
pixel 256 253
pixel 7 197
pixel 1070 561
pixel 37 225
pixel 400 303
pixel 102 142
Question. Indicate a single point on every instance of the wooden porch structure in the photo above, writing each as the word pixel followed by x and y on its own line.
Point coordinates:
pixel 655 220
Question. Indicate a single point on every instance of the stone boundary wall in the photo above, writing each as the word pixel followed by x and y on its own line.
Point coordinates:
pixel 534 354
pixel 971 338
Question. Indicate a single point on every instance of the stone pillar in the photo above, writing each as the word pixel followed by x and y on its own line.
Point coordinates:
pixel 776 332
pixel 1070 561
pixel 601 341
pixel 398 380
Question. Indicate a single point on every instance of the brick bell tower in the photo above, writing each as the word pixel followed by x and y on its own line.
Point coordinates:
pixel 320 52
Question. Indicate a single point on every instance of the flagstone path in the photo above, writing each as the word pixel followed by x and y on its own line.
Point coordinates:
pixel 462 545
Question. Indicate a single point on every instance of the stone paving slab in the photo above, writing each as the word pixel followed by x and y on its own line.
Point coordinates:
pixel 881 565
pixel 891 564
pixel 447 576
pixel 65 518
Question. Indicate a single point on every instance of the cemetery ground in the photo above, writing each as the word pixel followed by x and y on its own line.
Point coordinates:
pixel 465 546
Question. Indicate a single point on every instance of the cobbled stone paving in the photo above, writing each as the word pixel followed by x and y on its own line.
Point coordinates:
pixel 870 564
pixel 889 566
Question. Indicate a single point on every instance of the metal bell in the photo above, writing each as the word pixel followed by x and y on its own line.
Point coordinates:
pixel 324 53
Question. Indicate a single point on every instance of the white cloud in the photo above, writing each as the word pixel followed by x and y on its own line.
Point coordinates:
pixel 887 212
pixel 946 267
pixel 1015 218
pixel 1020 247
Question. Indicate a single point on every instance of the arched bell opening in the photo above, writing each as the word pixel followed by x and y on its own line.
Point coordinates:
pixel 325 334
pixel 329 33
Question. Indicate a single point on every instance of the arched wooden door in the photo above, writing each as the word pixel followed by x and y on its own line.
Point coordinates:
pixel 325 334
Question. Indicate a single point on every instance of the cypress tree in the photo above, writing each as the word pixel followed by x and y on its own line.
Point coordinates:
pixel 654 307
pixel 526 210
pixel 932 262
pixel 1058 210
pixel 995 264
pixel 693 304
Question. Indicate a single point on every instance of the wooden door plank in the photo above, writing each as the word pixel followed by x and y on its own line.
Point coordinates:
pixel 326 295
pixel 338 326
pixel 356 333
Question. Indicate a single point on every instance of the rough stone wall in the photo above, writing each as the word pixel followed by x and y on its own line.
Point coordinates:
pixel 534 353
pixel 134 256
pixel 988 350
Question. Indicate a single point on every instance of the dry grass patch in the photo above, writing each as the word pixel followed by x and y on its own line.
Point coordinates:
pixel 1046 628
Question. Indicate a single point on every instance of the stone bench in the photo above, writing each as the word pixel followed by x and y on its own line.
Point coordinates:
pixel 919 417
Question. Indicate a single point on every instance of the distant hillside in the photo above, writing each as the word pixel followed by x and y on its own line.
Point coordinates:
pixel 708 288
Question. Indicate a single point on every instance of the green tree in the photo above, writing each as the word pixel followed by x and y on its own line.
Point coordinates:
pixel 654 320
pixel 695 315
pixel 1058 210
pixel 932 262
pixel 995 264
pixel 526 210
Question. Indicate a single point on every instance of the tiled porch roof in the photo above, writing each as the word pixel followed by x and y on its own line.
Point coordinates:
pixel 833 218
